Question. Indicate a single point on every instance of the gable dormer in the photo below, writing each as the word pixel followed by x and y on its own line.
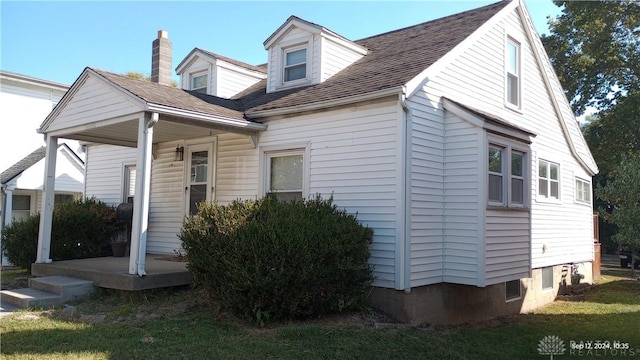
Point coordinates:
pixel 302 53
pixel 212 74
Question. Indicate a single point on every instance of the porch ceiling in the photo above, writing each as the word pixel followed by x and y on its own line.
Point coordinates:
pixel 168 129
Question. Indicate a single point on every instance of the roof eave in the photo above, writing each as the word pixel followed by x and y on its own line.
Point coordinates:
pixel 199 116
pixel 325 104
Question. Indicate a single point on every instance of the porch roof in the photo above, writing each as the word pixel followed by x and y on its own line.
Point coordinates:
pixel 104 107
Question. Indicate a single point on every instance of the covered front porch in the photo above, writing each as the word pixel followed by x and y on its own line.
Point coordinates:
pixel 113 272
pixel 109 109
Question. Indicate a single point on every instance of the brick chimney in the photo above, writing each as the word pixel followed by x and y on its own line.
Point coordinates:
pixel 161 59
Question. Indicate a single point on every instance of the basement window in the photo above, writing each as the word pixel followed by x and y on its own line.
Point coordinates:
pixel 512 290
pixel 547 278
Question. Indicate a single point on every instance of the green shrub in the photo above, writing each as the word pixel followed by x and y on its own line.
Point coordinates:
pixel 20 241
pixel 80 229
pixel 268 259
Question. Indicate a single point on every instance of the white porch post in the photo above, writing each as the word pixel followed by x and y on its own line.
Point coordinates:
pixel 140 221
pixel 46 213
pixel 7 215
pixel 8 206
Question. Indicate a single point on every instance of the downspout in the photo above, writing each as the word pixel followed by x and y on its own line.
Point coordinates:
pixel 142 241
pixel 85 150
pixel 406 191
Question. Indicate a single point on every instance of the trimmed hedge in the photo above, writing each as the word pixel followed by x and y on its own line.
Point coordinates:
pixel 80 229
pixel 268 259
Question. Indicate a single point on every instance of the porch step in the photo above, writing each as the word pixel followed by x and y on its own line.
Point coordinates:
pixel 68 287
pixel 27 297
pixel 48 291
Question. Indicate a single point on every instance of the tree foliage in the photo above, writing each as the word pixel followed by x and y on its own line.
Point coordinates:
pixel 622 198
pixel 595 48
pixel 140 76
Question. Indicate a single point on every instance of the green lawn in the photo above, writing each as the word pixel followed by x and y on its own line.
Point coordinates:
pixel 180 325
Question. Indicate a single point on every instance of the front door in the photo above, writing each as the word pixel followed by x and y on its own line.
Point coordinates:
pixel 200 176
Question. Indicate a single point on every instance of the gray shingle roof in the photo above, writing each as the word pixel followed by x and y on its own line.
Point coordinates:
pixel 394 59
pixel 22 165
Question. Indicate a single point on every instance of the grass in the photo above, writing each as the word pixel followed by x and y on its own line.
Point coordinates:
pixel 8 276
pixel 179 324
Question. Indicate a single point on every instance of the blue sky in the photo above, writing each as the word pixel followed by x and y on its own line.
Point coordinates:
pixel 57 40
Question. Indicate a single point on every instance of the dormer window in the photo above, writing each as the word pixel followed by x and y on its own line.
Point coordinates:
pixel 199 83
pixel 295 64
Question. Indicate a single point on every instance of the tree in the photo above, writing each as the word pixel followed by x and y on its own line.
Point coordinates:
pixel 622 197
pixel 595 48
pixel 140 76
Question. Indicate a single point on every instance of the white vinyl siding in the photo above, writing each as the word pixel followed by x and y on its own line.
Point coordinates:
pixel 237 168
pixel 476 77
pixel 166 205
pixel 105 171
pixel 352 156
pixel 94 101
pixel 507 245
pixel 462 198
pixel 335 57
pixel 427 190
pixel 232 79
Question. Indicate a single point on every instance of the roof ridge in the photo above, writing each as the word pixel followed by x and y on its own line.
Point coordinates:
pixel 446 18
pixel 232 60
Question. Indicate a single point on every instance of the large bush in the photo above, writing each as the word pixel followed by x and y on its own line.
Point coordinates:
pixel 268 259
pixel 80 229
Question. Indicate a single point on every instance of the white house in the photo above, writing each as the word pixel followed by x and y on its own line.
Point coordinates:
pixel 24 103
pixel 21 185
pixel 451 139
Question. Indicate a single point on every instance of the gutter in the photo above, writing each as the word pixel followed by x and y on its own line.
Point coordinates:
pixel 405 256
pixel 167 110
pixel 328 103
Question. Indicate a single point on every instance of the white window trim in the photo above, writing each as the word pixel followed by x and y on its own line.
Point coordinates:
pixel 507 148
pixel 508 300
pixel 589 191
pixel 266 152
pixel 542 278
pixel 520 75
pixel 549 198
pixel 292 45
pixel 194 75
pixel 125 181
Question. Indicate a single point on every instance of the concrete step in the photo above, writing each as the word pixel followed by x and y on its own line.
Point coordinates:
pixel 67 287
pixel 27 297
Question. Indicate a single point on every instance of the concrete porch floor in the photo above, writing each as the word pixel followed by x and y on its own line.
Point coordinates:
pixel 113 272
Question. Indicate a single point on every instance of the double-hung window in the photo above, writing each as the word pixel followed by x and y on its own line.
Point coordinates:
pixel 199 83
pixel 583 191
pixel 129 183
pixel 285 174
pixel 513 77
pixel 548 180
pixel 507 176
pixel 295 64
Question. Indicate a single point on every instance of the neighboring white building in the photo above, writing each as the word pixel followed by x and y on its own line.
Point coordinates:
pixel 21 185
pixel 24 103
pixel 451 139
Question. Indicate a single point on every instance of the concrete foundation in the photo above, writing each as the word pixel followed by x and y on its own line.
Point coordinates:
pixel 447 304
